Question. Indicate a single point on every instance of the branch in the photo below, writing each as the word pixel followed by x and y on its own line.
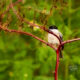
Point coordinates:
pixel 8 8
pixel 29 34
pixel 57 58
pixel 32 24
pixel 69 41
pixel 57 65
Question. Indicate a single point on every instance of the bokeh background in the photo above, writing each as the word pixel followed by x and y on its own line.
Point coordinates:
pixel 25 58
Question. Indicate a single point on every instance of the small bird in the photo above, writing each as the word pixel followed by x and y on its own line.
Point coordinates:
pixel 54 40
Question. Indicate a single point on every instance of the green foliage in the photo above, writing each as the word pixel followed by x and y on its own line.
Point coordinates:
pixel 25 58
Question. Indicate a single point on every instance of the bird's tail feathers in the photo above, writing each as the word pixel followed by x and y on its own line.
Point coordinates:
pixel 60 54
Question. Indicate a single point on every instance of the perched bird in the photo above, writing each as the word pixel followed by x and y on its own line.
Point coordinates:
pixel 54 40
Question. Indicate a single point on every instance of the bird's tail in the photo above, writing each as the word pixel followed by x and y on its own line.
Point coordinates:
pixel 60 54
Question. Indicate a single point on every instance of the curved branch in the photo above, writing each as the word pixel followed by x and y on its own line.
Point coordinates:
pixel 69 41
pixel 29 34
pixel 32 24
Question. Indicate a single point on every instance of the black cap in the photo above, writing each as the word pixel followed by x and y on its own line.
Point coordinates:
pixel 53 27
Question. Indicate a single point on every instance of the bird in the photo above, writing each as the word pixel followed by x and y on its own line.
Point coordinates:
pixel 53 40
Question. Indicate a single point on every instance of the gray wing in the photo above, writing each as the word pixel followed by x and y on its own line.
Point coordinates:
pixel 61 38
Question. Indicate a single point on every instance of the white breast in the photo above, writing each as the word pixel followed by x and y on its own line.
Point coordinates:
pixel 52 39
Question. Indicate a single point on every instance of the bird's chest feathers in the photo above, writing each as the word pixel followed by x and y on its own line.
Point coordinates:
pixel 52 39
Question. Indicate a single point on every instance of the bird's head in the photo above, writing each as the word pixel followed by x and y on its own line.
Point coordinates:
pixel 53 27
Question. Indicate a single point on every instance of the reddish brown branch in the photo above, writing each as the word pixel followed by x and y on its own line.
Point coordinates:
pixel 57 65
pixel 32 24
pixel 8 8
pixel 57 51
pixel 69 41
pixel 26 21
pixel 29 34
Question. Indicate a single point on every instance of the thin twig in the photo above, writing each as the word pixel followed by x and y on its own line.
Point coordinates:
pixel 8 8
pixel 69 41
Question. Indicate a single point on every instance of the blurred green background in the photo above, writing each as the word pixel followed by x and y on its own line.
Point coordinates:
pixel 25 58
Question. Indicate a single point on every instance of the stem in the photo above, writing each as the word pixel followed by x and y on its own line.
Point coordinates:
pixel 32 24
pixel 26 33
pixel 57 64
pixel 8 8
pixel 69 41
